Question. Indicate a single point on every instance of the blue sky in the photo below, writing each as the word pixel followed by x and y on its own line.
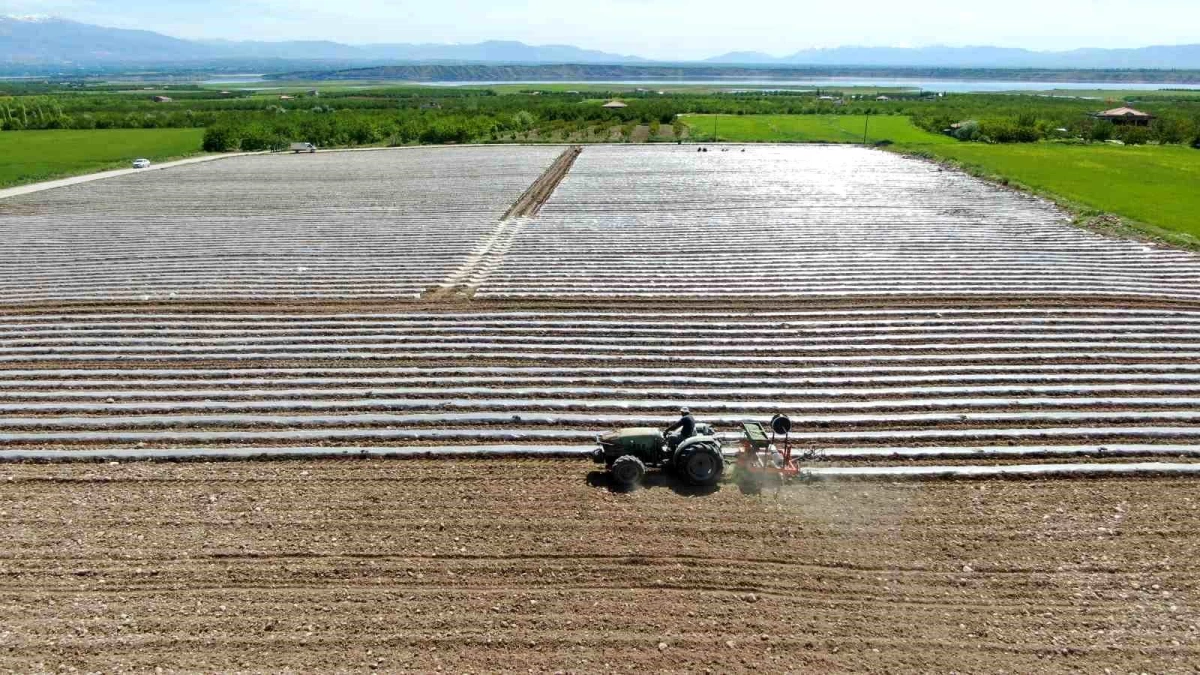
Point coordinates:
pixel 656 28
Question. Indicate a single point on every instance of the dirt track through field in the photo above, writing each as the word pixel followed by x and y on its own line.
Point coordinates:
pixel 477 565
pixel 535 197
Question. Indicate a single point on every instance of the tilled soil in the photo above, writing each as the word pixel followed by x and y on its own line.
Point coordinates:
pixel 485 565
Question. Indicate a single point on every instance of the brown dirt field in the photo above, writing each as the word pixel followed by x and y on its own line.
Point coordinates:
pixel 479 565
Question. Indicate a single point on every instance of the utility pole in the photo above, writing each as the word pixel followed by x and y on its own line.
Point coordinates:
pixel 866 126
pixel 715 118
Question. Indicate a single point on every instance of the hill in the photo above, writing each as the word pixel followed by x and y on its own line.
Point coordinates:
pixel 38 41
pixel 1166 56
pixel 656 72
pixel 33 42
pixel 49 40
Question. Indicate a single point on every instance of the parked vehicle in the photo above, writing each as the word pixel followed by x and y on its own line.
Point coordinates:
pixel 303 147
pixel 141 163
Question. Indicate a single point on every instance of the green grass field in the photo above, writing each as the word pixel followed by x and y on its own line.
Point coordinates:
pixel 809 129
pixel 1154 185
pixel 31 156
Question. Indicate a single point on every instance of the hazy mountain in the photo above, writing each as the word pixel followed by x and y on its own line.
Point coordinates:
pixel 494 51
pixel 1165 56
pixel 316 50
pixel 47 40
pixel 743 57
pixel 1173 56
pixel 611 72
pixel 50 40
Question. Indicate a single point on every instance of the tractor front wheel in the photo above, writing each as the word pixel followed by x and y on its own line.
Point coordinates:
pixel 700 464
pixel 627 472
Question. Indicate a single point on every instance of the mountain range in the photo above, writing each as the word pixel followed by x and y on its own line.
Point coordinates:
pixel 39 41
pixel 26 41
pixel 1170 56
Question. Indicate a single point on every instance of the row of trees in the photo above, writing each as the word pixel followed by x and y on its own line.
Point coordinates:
pixel 1023 119
pixel 351 128
pixel 354 128
pixel 88 110
pixel 420 115
pixel 1164 131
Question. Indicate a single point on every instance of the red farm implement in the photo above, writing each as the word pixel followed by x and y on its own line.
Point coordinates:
pixel 769 455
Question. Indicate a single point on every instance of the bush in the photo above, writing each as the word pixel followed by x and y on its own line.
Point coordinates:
pixel 1196 142
pixel 968 131
pixel 1134 135
pixel 1102 131
pixel 523 120
pixel 1008 131
pixel 220 138
pixel 258 137
pixel 1168 130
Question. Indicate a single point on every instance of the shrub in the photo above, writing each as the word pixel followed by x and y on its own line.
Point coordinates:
pixel 220 138
pixel 1168 130
pixel 1102 131
pixel 968 131
pixel 363 132
pixel 523 120
pixel 1134 135
pixel 260 136
pixel 1196 142
pixel 1008 131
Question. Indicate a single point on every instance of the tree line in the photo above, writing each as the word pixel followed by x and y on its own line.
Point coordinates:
pixel 402 115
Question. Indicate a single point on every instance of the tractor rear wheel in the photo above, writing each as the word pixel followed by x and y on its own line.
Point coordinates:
pixel 700 464
pixel 627 472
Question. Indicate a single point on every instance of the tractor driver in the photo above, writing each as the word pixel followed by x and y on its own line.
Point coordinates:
pixel 686 426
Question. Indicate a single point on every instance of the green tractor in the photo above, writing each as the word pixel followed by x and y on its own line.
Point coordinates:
pixel 627 453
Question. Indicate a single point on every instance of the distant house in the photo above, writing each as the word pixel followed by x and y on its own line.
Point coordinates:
pixel 827 98
pixel 314 93
pixel 285 97
pixel 162 99
pixel 431 105
pixel 1125 117
pixel 614 105
pixel 882 98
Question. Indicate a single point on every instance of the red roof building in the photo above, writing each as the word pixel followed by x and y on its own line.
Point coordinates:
pixel 1127 116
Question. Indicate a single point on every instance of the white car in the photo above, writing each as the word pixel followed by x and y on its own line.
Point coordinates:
pixel 141 163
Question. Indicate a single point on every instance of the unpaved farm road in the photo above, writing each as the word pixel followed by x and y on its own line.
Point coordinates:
pixel 478 566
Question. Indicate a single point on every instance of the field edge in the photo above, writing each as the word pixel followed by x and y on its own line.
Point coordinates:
pixel 1083 216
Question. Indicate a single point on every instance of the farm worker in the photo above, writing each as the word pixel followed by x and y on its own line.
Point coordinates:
pixel 686 426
